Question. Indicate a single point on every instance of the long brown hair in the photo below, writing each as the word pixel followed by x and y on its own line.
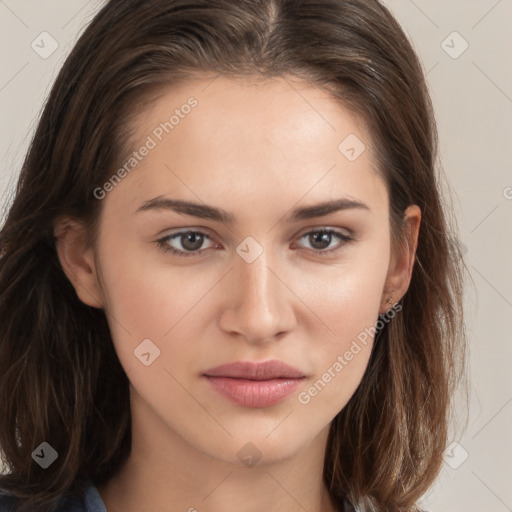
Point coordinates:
pixel 60 378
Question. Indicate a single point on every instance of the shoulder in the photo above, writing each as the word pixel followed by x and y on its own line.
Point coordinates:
pixel 6 502
pixel 91 502
pixel 65 504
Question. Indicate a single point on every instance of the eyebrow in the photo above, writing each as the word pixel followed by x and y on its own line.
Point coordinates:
pixel 204 211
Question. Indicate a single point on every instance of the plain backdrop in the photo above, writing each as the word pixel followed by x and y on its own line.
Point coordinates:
pixel 465 48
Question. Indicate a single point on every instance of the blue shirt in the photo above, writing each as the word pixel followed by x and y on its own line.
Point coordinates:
pixel 91 502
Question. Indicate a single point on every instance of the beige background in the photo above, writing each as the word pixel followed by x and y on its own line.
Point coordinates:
pixel 472 95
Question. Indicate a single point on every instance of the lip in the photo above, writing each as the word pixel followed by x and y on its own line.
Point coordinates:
pixel 252 384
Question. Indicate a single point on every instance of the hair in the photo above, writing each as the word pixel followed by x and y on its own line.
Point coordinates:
pixel 60 377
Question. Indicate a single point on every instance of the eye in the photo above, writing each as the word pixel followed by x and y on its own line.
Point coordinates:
pixel 321 239
pixel 190 242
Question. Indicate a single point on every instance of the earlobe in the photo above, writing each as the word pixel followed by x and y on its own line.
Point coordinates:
pixel 77 261
pixel 401 265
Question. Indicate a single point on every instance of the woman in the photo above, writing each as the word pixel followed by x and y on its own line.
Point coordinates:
pixel 227 278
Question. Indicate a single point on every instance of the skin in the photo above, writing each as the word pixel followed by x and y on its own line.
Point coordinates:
pixel 257 149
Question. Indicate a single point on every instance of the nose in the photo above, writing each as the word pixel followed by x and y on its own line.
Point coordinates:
pixel 258 302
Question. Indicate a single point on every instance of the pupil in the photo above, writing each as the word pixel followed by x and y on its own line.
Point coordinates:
pixel 323 238
pixel 189 243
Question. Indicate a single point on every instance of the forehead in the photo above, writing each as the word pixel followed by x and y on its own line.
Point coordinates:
pixel 255 138
pixel 243 104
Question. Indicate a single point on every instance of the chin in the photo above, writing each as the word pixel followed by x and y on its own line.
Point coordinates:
pixel 258 445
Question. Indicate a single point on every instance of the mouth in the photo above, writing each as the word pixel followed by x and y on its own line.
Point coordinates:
pixel 255 385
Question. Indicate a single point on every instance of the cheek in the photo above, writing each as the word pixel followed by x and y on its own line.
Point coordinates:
pixel 341 358
pixel 348 303
pixel 347 296
pixel 152 302
pixel 145 300
pixel 146 297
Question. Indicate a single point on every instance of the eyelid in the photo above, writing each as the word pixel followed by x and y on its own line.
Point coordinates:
pixel 208 232
pixel 325 227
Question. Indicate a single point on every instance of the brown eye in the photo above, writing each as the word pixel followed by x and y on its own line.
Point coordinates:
pixel 189 242
pixel 322 239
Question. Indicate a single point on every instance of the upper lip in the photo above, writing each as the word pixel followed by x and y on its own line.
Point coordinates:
pixel 255 371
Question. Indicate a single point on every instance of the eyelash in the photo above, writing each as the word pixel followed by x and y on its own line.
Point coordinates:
pixel 162 242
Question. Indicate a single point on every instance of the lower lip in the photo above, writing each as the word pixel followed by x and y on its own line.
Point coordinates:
pixel 254 393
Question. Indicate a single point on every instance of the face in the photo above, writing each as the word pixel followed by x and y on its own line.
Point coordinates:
pixel 254 273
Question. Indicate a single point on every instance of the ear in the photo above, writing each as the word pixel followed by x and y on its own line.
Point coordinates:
pixel 77 261
pixel 401 264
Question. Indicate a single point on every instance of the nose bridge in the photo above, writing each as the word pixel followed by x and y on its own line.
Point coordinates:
pixel 256 306
pixel 256 284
